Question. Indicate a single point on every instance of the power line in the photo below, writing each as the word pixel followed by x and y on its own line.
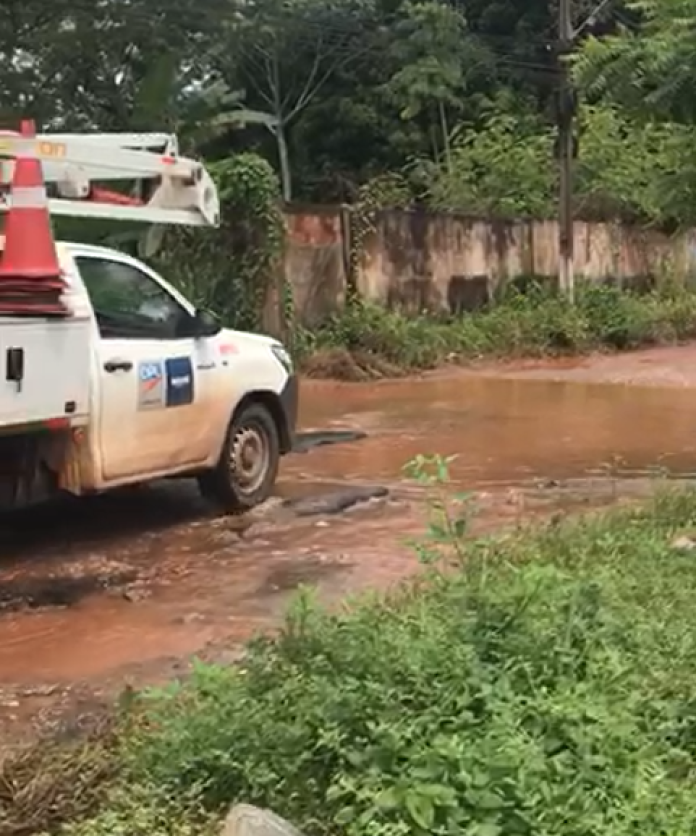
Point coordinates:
pixel 591 18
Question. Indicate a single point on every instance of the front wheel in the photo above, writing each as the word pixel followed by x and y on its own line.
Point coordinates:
pixel 246 471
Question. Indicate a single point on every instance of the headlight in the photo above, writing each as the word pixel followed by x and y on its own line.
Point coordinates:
pixel 283 357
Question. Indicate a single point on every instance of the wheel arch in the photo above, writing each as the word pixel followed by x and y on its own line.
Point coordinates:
pixel 270 400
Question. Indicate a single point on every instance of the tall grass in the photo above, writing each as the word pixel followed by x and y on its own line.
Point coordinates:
pixel 534 323
pixel 543 685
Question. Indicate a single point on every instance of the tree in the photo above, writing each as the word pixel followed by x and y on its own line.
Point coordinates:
pixel 626 167
pixel 645 72
pixel 28 64
pixel 337 93
pixel 650 70
pixel 436 60
pixel 80 65
pixel 504 169
pixel 284 54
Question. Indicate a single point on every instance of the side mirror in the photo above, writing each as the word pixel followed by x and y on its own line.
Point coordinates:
pixel 206 324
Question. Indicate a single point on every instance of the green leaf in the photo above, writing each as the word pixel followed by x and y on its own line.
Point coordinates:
pixel 421 809
pixel 486 829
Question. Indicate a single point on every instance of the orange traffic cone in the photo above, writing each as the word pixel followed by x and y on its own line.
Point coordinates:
pixel 30 251
pixel 30 276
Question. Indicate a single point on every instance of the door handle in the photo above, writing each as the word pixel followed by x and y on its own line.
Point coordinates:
pixel 112 366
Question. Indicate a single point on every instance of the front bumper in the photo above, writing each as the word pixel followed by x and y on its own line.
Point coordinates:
pixel 289 404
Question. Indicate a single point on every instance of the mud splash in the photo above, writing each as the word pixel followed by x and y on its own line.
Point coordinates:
pixel 124 588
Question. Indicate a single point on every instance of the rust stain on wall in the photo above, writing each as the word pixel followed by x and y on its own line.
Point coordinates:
pixel 313 226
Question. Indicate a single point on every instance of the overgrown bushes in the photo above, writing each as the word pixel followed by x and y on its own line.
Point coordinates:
pixel 628 170
pixel 543 685
pixel 230 269
pixel 534 323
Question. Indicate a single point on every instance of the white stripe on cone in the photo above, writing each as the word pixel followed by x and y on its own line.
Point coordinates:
pixel 33 197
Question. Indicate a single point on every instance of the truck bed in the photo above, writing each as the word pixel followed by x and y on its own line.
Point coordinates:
pixel 44 370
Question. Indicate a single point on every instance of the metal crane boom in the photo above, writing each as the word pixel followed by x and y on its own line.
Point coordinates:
pixel 181 191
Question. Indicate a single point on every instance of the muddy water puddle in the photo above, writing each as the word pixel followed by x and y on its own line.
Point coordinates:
pixel 127 587
pixel 508 431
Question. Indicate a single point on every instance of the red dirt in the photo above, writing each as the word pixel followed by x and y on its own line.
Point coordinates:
pixel 673 366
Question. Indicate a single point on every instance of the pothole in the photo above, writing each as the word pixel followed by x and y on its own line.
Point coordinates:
pixel 57 591
pixel 334 502
pixel 306 441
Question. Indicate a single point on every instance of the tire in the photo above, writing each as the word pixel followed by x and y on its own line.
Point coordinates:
pixel 239 481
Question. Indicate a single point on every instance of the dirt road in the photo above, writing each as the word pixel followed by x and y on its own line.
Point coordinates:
pixel 125 588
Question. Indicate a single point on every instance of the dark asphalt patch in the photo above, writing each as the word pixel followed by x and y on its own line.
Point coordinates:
pixel 66 591
pixel 306 441
pixel 334 502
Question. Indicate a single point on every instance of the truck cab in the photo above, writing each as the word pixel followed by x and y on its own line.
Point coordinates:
pixel 136 384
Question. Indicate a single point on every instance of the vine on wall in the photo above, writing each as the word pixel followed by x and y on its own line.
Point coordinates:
pixel 229 270
pixel 388 191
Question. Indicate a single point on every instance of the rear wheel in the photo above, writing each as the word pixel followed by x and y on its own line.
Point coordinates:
pixel 246 471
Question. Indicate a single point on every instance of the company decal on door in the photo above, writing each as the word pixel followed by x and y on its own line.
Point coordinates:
pixel 151 392
pixel 179 373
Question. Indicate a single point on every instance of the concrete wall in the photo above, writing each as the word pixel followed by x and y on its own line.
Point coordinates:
pixel 315 261
pixel 415 260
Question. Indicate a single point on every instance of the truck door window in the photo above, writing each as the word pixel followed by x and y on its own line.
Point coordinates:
pixel 127 302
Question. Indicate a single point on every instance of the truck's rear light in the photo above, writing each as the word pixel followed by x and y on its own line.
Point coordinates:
pixel 56 424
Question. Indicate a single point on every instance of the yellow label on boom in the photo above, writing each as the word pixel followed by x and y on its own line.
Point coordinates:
pixel 43 148
pixel 50 149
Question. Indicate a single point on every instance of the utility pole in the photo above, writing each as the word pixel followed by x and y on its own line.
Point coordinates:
pixel 566 148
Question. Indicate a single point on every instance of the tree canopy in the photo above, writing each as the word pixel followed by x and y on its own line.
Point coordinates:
pixel 458 97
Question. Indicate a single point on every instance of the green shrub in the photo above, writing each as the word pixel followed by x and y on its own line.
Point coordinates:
pixel 145 810
pixel 535 322
pixel 543 688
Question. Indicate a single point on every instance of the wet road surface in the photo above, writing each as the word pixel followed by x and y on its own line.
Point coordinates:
pixel 124 588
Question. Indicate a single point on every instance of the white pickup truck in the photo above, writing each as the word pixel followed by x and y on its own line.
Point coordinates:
pixel 135 384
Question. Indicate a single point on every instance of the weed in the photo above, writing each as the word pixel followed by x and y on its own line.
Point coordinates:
pixel 539 684
pixel 535 322
pixel 45 785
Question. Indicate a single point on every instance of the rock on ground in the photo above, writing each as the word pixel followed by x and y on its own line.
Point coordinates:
pixel 246 820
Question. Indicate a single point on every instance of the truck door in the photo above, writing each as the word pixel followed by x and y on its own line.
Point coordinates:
pixel 154 393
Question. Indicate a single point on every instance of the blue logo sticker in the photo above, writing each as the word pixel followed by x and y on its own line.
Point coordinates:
pixel 150 384
pixel 179 381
